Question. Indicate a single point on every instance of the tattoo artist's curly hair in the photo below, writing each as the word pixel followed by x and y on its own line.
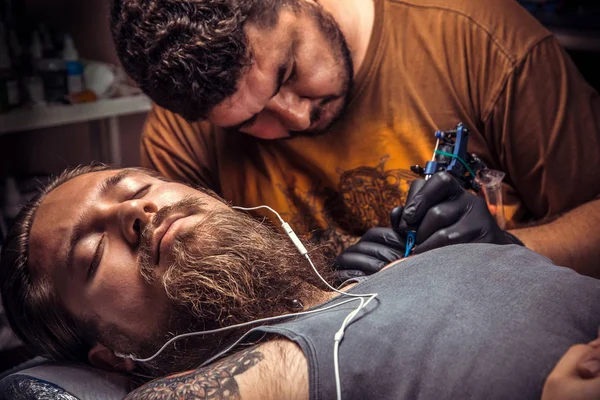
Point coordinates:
pixel 188 55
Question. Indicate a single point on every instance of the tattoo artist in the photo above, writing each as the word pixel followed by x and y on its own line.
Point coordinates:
pixel 317 108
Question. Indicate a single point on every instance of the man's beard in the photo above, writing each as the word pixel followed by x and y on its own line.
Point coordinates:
pixel 333 34
pixel 228 269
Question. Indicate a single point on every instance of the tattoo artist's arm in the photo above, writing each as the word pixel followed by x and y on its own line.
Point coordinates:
pixel 571 240
pixel 545 130
pixel 274 370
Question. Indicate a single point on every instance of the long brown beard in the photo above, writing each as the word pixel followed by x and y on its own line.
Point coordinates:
pixel 228 269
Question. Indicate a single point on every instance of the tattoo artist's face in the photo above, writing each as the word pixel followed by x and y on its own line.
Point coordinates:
pixel 299 81
pixel 87 239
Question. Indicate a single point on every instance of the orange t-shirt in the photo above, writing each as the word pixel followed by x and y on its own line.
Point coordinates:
pixel 430 64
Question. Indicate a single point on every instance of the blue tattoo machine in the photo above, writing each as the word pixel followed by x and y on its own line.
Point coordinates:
pixel 450 155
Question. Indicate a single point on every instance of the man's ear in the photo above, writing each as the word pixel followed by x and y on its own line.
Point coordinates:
pixel 104 358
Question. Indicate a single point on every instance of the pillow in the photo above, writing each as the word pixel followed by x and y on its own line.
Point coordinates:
pixel 64 381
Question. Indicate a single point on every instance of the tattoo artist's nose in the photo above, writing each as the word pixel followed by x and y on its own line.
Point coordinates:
pixel 133 217
pixel 293 111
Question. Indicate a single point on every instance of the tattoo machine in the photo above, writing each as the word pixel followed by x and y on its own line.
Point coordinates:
pixel 450 155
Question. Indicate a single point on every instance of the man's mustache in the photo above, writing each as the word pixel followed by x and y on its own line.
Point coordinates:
pixel 188 205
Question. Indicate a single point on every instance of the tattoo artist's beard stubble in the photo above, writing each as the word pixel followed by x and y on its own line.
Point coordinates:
pixel 338 46
pixel 228 269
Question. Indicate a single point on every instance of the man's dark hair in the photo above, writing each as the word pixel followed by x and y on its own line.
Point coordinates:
pixel 32 307
pixel 188 55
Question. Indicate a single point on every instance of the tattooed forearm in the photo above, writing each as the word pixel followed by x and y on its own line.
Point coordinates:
pixel 215 382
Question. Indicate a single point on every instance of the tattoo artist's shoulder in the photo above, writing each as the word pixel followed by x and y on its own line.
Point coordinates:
pixel 274 370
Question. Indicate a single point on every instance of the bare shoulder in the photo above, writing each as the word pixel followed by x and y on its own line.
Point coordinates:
pixel 274 370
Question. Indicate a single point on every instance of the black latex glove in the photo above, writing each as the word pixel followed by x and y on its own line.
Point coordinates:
pixel 443 213
pixel 376 248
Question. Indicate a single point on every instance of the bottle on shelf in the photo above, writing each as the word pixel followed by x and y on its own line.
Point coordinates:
pixel 74 67
pixel 48 48
pixel 52 70
pixel 33 80
pixel 15 48
pixel 19 61
pixel 12 198
pixel 10 95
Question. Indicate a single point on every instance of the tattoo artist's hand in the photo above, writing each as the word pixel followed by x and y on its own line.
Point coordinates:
pixel 577 374
pixel 443 213
pixel 377 248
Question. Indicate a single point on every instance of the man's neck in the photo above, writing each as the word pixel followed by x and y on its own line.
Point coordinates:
pixel 319 297
pixel 356 19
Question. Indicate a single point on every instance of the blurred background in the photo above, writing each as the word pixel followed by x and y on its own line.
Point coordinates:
pixel 64 101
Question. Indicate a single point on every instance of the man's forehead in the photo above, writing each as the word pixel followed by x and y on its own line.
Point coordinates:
pixel 57 214
pixel 65 200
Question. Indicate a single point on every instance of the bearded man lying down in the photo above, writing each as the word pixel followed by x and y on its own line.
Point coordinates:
pixel 106 265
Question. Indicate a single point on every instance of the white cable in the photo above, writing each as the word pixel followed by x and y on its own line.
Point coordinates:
pixel 339 335
pixel 348 320
pixel 259 207
pixel 336 366
pixel 213 331
pixel 213 358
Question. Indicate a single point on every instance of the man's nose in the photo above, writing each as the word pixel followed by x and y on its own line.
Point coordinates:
pixel 293 111
pixel 133 217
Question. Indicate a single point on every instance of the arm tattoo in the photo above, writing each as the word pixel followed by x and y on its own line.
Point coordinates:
pixel 215 382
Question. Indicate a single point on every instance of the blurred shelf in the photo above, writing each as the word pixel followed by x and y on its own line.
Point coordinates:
pixel 46 117
pixel 575 23
pixel 578 40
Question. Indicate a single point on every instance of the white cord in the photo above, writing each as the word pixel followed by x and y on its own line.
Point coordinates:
pixel 339 335
pixel 259 207
pixel 303 250
pixel 213 331
pixel 336 366
pixel 213 358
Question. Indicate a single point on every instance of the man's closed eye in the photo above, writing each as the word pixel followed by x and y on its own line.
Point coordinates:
pixel 97 257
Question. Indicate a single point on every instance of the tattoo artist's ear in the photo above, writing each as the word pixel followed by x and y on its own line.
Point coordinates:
pixel 104 358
